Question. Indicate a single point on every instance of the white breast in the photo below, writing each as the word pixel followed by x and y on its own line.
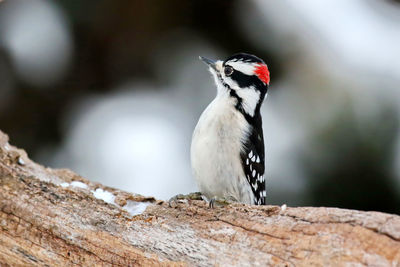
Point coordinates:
pixel 215 151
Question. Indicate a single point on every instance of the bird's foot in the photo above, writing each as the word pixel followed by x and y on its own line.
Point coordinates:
pixel 222 201
pixel 190 196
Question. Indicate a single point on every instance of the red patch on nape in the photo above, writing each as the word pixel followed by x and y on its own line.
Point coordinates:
pixel 262 72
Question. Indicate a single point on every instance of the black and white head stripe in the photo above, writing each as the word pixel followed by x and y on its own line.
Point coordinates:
pixel 245 70
pixel 244 75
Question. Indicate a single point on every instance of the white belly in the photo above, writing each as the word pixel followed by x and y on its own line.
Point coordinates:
pixel 215 152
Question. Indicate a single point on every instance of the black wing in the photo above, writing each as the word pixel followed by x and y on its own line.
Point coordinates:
pixel 253 164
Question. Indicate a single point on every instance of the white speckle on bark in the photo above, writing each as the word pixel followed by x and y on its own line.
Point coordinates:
pixel 135 208
pixel 79 184
pixel 21 161
pixel 75 184
pixel 283 207
pixel 104 195
pixel 64 185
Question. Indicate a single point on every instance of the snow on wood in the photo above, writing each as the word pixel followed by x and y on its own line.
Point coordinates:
pixel 56 218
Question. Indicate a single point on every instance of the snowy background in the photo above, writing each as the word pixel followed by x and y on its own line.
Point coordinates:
pixel 113 90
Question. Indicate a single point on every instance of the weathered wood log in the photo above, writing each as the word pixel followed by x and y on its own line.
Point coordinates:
pixel 57 218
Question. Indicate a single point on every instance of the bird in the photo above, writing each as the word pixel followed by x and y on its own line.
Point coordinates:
pixel 227 149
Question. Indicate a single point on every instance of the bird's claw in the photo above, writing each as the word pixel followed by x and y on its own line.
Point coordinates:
pixel 221 201
pixel 190 196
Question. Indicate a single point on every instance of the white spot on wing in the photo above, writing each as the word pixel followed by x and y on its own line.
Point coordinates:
pixel 253 159
pixel 247 161
pixel 251 154
pixel 254 173
pixel 255 186
pixel 258 159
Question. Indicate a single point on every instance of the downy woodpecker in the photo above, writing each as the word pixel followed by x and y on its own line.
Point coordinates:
pixel 227 151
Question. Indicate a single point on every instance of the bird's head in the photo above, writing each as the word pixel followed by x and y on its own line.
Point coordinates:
pixel 245 77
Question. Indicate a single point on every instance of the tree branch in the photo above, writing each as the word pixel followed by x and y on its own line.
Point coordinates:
pixel 55 217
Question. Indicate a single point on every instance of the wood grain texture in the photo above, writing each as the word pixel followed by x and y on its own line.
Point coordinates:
pixel 45 224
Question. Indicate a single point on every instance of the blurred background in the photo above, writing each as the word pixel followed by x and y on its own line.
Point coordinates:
pixel 113 90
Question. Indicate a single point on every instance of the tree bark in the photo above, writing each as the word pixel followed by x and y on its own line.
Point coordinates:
pixel 46 219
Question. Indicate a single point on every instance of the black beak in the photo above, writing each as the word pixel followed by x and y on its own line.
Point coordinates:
pixel 209 62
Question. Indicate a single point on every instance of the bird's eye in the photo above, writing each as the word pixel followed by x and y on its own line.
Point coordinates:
pixel 228 71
